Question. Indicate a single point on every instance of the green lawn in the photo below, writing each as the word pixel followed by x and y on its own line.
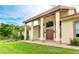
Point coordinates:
pixel 29 48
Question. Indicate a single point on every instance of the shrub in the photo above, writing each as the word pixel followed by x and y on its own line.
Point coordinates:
pixel 3 38
pixel 21 36
pixel 15 36
pixel 74 42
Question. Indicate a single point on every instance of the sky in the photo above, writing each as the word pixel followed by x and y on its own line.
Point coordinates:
pixel 16 14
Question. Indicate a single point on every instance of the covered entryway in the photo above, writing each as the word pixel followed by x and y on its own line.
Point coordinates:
pixel 49 34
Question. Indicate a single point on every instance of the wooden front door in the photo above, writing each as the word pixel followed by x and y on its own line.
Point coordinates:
pixel 49 34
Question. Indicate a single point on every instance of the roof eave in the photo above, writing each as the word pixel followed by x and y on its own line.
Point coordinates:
pixel 47 12
pixel 69 17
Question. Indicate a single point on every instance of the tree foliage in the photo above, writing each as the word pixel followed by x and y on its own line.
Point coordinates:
pixel 9 30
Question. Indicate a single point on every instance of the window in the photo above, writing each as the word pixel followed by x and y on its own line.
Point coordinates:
pixel 49 24
pixel 77 29
pixel 60 30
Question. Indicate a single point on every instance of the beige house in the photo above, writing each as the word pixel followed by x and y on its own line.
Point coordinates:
pixel 60 23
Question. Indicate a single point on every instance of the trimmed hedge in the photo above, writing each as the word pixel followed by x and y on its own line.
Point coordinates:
pixel 74 42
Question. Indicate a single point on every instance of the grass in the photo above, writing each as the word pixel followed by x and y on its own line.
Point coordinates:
pixel 15 47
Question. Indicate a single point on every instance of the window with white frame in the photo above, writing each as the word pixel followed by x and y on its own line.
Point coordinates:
pixel 77 29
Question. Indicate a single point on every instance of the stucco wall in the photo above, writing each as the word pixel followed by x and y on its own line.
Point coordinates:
pixel 29 31
pixel 67 12
pixel 67 31
pixel 36 32
pixel 64 13
pixel 47 19
pixel 71 11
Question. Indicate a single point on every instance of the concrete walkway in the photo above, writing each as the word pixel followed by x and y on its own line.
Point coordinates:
pixel 52 44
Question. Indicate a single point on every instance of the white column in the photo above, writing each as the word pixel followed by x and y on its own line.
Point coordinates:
pixel 25 32
pixel 57 15
pixel 41 29
pixel 31 31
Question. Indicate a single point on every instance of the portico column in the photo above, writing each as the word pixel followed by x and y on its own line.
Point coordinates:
pixel 41 29
pixel 32 31
pixel 25 31
pixel 57 15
